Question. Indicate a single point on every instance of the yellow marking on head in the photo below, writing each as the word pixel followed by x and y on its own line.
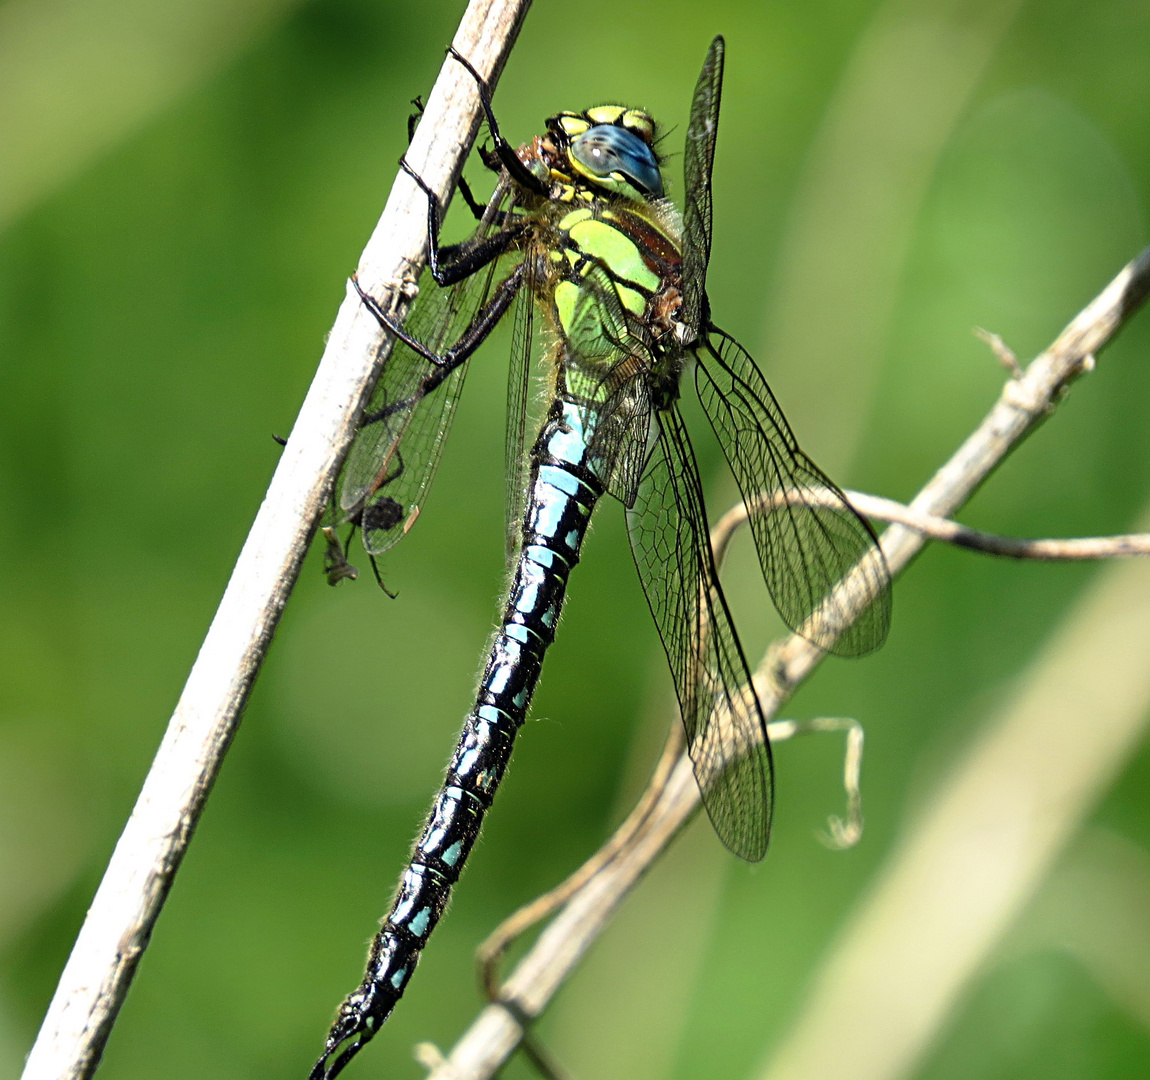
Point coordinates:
pixel 632 119
pixel 572 123
pixel 641 124
pixel 605 114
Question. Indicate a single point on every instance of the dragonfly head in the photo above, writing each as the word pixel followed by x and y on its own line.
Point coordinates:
pixel 611 147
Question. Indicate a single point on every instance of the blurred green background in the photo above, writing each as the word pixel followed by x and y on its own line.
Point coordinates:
pixel 185 186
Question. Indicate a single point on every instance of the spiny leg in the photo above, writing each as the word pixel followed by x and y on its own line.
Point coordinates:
pixel 477 208
pixel 471 257
pixel 470 340
pixel 506 152
pixel 466 258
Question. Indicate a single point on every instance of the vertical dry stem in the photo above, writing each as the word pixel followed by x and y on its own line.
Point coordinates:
pixel 126 905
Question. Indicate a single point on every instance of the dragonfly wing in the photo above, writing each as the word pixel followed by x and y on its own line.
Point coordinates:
pixel 400 441
pixel 620 441
pixel 698 162
pixel 518 393
pixel 726 732
pixel 809 538
pixel 607 357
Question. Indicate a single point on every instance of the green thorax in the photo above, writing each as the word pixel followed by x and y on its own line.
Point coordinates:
pixel 607 250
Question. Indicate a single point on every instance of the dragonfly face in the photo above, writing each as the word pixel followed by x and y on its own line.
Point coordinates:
pixel 611 148
pixel 579 235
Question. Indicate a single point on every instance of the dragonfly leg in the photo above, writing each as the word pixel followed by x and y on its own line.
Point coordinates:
pixel 413 119
pixel 463 259
pixel 522 175
pixel 477 208
pixel 444 364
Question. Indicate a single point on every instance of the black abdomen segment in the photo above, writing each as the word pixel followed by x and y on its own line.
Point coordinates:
pixel 562 495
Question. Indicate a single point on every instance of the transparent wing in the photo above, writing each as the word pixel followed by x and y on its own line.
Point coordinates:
pixel 400 441
pixel 698 160
pixel 518 392
pixel 604 363
pixel 726 732
pixel 809 538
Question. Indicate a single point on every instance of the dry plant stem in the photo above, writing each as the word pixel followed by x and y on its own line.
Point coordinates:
pixel 842 834
pixel 1003 352
pixel 1023 403
pixel 940 528
pixel 491 951
pixel 151 847
pixel 950 532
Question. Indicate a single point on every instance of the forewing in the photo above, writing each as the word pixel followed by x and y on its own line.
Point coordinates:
pixel 400 441
pixel 606 359
pixel 619 444
pixel 726 732
pixel 698 162
pixel 518 392
pixel 820 558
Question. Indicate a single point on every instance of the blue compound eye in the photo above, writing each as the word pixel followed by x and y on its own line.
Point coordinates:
pixel 606 149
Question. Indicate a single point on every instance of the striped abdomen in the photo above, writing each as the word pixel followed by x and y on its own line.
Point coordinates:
pixel 562 494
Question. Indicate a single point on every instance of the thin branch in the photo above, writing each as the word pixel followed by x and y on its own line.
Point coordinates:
pixel 1024 401
pixel 843 833
pixel 126 905
pixel 943 529
pixel 542 907
pixel 1003 352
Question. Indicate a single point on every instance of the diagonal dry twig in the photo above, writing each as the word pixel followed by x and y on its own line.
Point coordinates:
pixel 1010 547
pixel 125 908
pixel 943 529
pixel 842 833
pixel 1023 403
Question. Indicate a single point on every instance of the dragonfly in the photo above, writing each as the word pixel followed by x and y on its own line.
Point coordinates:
pixel 605 283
